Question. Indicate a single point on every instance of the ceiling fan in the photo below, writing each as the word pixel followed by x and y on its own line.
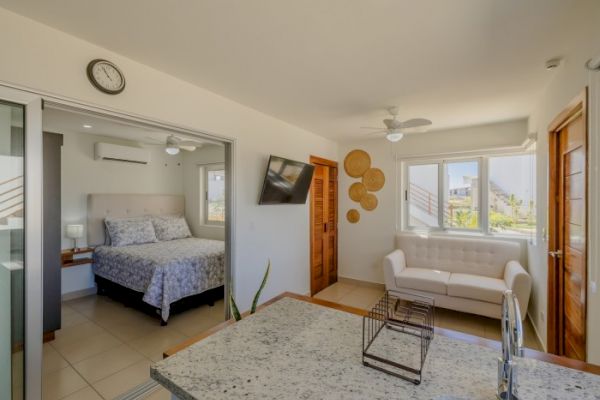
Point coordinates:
pixel 395 129
pixel 174 144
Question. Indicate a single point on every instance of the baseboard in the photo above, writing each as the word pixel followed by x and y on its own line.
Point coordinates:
pixel 79 293
pixel 359 282
pixel 537 334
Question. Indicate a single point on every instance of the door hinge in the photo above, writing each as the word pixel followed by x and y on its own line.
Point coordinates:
pixel 406 195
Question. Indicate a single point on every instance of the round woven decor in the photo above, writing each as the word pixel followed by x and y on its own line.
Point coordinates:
pixel 369 202
pixel 357 191
pixel 373 179
pixel 353 216
pixel 356 163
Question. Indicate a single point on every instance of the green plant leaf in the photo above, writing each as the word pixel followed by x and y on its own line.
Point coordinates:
pixel 234 309
pixel 260 289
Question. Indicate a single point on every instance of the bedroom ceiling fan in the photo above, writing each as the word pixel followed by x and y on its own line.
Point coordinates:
pixel 174 144
pixel 395 129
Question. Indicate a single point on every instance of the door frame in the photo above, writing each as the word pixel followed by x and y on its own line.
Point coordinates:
pixel 32 264
pixel 577 106
pixel 329 163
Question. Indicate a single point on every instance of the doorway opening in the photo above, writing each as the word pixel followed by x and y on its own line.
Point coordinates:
pixel 136 247
pixel 568 222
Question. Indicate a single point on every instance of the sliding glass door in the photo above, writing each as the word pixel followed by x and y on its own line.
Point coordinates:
pixel 20 245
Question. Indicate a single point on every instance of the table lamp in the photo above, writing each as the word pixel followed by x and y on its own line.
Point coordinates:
pixel 75 231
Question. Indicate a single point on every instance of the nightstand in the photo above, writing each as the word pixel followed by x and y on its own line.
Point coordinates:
pixel 69 259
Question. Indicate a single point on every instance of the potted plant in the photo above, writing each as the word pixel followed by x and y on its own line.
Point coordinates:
pixel 234 309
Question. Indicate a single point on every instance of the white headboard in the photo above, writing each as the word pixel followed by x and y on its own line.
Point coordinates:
pixel 101 206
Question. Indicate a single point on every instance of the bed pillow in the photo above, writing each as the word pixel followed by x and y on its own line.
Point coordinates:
pixel 170 227
pixel 128 231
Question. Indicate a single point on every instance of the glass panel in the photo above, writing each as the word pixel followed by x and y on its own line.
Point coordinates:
pixel 511 193
pixel 461 195
pixel 11 252
pixel 423 195
pixel 216 196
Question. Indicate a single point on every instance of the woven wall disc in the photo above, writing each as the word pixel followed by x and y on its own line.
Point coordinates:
pixel 369 202
pixel 373 179
pixel 353 216
pixel 357 191
pixel 356 163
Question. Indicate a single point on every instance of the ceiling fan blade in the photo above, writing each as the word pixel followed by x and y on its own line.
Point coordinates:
pixel 187 148
pixel 415 122
pixel 371 127
pixel 157 141
pixel 377 132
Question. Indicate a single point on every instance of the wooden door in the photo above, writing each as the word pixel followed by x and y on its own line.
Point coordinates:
pixel 323 224
pixel 568 232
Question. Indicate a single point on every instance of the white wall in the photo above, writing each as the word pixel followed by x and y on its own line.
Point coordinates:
pixel 81 175
pixel 194 202
pixel 569 80
pixel 46 59
pixel 363 245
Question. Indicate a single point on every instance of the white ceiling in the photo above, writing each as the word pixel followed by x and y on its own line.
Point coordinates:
pixel 61 121
pixel 331 66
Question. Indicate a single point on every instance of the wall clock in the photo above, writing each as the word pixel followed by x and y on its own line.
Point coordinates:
pixel 106 76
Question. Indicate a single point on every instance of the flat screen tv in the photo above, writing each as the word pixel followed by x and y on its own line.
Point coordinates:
pixel 286 182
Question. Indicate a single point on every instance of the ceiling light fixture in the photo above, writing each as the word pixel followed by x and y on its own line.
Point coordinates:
pixel 87 126
pixel 172 150
pixel 394 136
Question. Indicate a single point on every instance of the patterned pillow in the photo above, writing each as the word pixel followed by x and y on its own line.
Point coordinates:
pixel 170 227
pixel 127 231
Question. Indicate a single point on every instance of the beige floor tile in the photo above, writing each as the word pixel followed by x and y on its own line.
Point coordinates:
pixel 72 318
pixel 362 297
pixel 160 394
pixel 82 348
pixel 87 393
pixel 105 364
pixel 193 322
pixel 52 360
pixel 335 292
pixel 61 383
pixel 127 331
pixel 153 346
pixel 71 333
pixel 124 380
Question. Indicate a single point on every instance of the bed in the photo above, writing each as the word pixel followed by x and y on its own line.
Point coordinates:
pixel 163 276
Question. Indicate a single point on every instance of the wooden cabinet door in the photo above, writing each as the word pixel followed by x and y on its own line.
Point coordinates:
pixel 323 225
pixel 573 239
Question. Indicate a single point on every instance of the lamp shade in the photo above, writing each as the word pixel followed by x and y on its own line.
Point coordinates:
pixel 74 231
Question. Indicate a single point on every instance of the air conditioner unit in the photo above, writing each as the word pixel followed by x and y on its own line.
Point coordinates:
pixel 115 152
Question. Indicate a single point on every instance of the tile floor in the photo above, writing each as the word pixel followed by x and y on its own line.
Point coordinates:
pixel 105 349
pixel 362 296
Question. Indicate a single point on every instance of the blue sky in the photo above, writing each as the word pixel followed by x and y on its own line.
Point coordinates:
pixel 456 171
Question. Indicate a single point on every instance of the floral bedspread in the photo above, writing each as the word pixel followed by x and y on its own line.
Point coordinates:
pixel 164 271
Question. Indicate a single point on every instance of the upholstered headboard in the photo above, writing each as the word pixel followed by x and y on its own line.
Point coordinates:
pixel 101 206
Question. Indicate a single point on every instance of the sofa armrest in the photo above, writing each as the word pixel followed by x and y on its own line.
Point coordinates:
pixel 393 264
pixel 519 281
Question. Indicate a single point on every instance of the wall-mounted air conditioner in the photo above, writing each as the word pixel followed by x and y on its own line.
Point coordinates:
pixel 115 152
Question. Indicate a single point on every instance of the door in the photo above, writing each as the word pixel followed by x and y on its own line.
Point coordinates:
pixel 323 224
pixel 20 245
pixel 568 232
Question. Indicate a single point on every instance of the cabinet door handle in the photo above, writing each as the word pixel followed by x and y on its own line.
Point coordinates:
pixel 325 227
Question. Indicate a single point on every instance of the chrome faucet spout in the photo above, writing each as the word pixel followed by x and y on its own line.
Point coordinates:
pixel 512 346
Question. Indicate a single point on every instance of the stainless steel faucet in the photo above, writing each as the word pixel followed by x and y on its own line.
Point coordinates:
pixel 512 346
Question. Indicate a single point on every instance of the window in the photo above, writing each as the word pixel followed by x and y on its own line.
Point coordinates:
pixel 214 194
pixel 491 194
pixel 461 194
pixel 511 194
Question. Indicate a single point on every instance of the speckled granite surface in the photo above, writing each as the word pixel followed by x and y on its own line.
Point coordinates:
pixel 296 350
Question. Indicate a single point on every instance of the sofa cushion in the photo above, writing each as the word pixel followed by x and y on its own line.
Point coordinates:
pixel 477 287
pixel 427 280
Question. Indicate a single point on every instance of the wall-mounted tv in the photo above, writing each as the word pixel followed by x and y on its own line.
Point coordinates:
pixel 286 182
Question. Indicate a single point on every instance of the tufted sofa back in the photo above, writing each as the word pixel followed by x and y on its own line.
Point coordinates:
pixel 459 255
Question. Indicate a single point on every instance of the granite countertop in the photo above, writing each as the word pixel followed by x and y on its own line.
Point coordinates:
pixel 296 350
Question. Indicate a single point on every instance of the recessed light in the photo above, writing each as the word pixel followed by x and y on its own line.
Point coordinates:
pixel 87 126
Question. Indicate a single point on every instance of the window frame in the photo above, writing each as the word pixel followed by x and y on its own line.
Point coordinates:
pixel 482 187
pixel 206 168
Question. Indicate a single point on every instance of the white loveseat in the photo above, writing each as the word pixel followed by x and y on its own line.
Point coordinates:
pixel 463 274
